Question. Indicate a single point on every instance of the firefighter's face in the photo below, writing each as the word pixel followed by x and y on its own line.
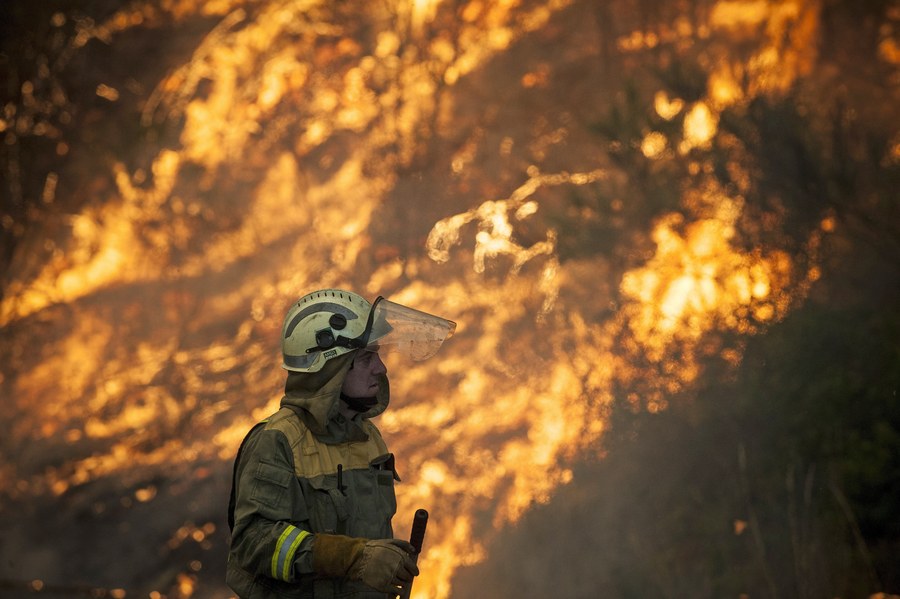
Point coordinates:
pixel 362 378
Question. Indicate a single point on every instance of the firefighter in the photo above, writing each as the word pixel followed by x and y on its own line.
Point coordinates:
pixel 313 490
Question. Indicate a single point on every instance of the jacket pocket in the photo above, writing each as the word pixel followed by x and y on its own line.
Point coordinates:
pixel 270 484
pixel 327 505
pixel 385 474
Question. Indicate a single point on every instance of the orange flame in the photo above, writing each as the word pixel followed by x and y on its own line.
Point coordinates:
pixel 488 429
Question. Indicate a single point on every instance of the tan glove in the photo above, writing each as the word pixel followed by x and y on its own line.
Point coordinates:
pixel 383 564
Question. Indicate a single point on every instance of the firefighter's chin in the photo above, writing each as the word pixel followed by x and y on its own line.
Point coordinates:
pixel 360 404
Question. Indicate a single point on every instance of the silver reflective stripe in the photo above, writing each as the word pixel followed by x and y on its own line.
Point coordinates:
pixel 319 307
pixel 301 361
pixel 285 549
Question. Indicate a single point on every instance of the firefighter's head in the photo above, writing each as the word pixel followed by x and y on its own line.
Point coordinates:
pixel 332 322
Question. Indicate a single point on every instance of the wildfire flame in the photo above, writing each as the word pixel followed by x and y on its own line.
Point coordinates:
pixel 294 126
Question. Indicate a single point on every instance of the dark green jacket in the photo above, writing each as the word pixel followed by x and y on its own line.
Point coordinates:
pixel 287 488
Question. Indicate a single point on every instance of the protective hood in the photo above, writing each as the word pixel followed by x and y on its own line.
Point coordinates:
pixel 316 397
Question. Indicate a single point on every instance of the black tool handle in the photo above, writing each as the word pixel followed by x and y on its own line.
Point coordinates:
pixel 417 536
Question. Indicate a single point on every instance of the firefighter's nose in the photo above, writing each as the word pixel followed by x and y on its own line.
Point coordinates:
pixel 378 366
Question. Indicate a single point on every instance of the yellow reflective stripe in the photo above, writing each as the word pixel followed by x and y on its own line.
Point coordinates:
pixel 285 548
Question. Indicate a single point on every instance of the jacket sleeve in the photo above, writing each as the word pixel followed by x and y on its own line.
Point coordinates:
pixel 271 535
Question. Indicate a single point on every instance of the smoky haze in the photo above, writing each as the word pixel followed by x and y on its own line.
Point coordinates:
pixel 668 232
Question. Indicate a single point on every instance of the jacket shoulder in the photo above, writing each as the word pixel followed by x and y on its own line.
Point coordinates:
pixel 289 424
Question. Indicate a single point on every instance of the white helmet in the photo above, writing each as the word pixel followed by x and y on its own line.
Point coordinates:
pixel 322 325
pixel 332 322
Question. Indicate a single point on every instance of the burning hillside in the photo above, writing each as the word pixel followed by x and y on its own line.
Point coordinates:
pixel 177 172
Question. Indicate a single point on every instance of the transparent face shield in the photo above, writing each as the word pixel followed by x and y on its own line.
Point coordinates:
pixel 396 328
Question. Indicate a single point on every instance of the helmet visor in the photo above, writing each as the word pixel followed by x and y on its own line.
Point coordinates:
pixel 413 333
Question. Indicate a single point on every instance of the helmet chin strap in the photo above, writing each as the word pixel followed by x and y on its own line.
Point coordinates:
pixel 359 404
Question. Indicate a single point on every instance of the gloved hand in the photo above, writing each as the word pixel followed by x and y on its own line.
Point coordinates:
pixel 383 564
